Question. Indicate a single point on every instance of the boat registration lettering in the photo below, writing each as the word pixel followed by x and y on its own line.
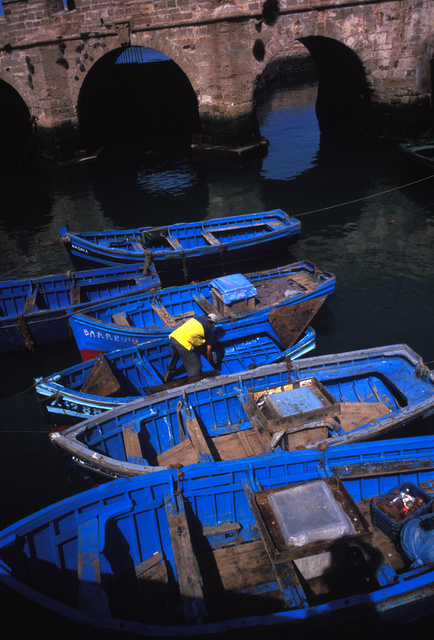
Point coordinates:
pixel 78 248
pixel 76 408
pixel 99 335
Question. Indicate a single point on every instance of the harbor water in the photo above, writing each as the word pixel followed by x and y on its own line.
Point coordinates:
pixel 367 216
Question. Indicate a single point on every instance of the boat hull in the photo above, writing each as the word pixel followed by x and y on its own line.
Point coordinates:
pixel 36 312
pixel 66 406
pixel 148 434
pixel 108 543
pixel 213 243
pixel 96 331
pixel 421 153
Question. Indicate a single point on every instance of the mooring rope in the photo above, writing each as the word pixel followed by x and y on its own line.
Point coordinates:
pixel 298 215
pixel 374 195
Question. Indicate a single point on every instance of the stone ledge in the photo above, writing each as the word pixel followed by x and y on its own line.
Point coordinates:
pixel 235 155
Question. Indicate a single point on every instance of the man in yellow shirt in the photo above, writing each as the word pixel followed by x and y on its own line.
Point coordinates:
pixel 188 341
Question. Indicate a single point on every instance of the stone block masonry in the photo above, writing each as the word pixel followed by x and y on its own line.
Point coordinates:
pixel 225 48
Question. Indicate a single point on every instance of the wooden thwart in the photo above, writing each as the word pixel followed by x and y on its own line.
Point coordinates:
pixel 131 441
pixel 121 319
pixel 205 305
pixel 163 314
pixel 209 238
pixel 29 305
pixel 92 598
pixel 75 295
pixel 187 568
pixel 196 436
pixel 174 243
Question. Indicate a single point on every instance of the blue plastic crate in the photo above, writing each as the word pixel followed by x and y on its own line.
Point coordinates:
pixel 389 526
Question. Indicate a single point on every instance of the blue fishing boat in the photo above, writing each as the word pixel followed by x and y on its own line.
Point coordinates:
pixel 185 245
pixel 294 542
pixel 35 311
pixel 299 289
pixel 420 152
pixel 317 402
pixel 124 375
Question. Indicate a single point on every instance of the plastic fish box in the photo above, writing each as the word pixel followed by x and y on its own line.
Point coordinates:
pixel 293 404
pixel 291 401
pixel 391 527
pixel 310 512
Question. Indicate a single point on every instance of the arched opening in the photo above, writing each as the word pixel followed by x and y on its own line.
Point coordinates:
pixel 342 86
pixel 285 99
pixel 15 127
pixel 137 97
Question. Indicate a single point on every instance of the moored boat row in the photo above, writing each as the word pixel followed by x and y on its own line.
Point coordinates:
pixel 249 500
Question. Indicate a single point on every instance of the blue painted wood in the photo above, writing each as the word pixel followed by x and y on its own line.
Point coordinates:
pixel 97 331
pixel 392 375
pixel 186 244
pixel 246 579
pixel 36 311
pixel 139 369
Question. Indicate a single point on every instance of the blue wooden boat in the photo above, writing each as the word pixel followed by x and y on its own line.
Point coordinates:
pixel 179 247
pixel 35 311
pixel 421 152
pixel 321 401
pixel 124 375
pixel 291 542
pixel 299 289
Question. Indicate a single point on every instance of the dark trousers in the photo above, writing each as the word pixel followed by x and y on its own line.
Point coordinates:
pixel 190 359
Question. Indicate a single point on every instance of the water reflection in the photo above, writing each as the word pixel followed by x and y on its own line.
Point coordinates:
pixel 379 244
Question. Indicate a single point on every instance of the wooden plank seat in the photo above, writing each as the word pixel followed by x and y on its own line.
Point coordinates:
pixel 92 597
pixel 183 316
pixel 238 227
pixel 209 238
pixel 130 436
pixel 174 243
pixel 29 305
pixel 205 305
pixel 121 319
pixel 187 568
pixel 196 436
pixel 230 446
pixel 163 314
pixel 275 224
pixel 303 280
pixel 75 293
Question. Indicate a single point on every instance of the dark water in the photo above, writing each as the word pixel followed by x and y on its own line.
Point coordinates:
pixel 367 216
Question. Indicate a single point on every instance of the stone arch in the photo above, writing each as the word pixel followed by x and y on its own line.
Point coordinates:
pixel 16 126
pixel 343 87
pixel 174 48
pixel 342 83
pixel 149 103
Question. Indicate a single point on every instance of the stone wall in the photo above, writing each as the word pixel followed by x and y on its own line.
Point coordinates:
pixel 224 48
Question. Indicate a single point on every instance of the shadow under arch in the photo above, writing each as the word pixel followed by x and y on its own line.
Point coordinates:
pixel 15 128
pixel 342 85
pixel 137 98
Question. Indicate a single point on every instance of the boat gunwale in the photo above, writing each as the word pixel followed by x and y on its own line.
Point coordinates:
pixel 69 441
pixel 385 599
